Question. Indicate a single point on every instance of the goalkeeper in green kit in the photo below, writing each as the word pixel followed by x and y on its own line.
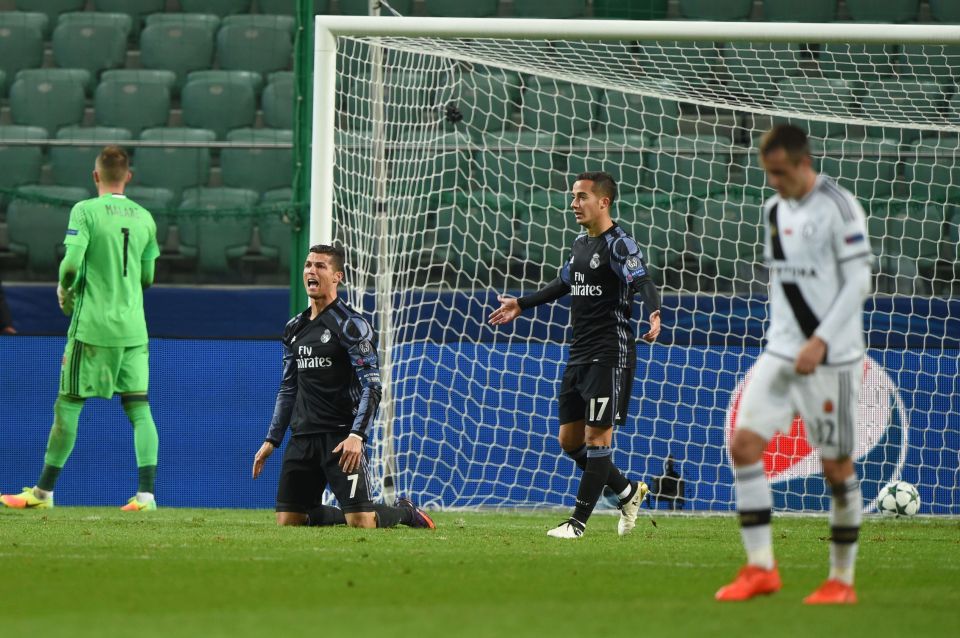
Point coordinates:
pixel 111 249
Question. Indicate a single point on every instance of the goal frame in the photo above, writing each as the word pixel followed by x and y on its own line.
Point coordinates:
pixel 329 28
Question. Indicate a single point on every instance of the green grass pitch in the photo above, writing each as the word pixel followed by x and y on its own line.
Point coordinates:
pixel 178 572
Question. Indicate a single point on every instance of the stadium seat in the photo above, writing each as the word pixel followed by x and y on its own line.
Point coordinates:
pixel 716 9
pixel 755 68
pixel 474 235
pixel 727 231
pixel 274 229
pixel 175 168
pixel 410 101
pixel 549 8
pixel 658 223
pixel 286 7
pixel 547 230
pixel 254 168
pixel 887 11
pixel 208 21
pixel 754 177
pixel 620 154
pixel 641 114
pixel 278 100
pixel 434 162
pixel 690 166
pixel 460 9
pixel 945 11
pixel 50 98
pixel 867 168
pixel 489 101
pixel 354 162
pixel 152 198
pixel 260 21
pixel 559 107
pixel 134 99
pixel 912 101
pixel 36 229
pixel 857 62
pixel 217 7
pixel 514 162
pixel 806 11
pixel 91 41
pixel 220 227
pixel 912 236
pixel 218 101
pixel 935 61
pixel 136 9
pixel 73 165
pixel 33 19
pixel 157 201
pixel 630 9
pixel 696 59
pixel 818 96
pixel 277 196
pixel 20 164
pixel 931 169
pixel 21 44
pixel 254 79
pixel 255 43
pixel 51 8
pixel 182 46
pixel 362 7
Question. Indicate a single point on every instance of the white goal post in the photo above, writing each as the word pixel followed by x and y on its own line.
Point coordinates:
pixel 442 152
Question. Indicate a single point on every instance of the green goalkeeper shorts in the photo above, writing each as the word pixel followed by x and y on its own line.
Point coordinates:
pixel 101 371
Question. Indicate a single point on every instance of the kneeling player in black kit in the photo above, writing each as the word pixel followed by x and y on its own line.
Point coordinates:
pixel 604 272
pixel 329 396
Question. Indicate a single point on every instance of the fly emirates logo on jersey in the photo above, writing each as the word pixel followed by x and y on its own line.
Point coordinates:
pixel 305 359
pixel 580 288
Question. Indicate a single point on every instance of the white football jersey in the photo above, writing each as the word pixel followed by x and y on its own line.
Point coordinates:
pixel 805 243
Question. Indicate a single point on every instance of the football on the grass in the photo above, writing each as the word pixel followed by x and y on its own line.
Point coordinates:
pixel 898 499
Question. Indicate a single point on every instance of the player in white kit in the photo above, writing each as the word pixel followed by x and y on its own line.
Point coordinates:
pixel 818 252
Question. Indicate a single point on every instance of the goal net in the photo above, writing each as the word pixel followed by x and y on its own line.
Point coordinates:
pixel 453 158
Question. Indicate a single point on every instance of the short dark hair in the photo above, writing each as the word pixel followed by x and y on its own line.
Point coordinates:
pixel 603 183
pixel 338 254
pixel 113 164
pixel 792 139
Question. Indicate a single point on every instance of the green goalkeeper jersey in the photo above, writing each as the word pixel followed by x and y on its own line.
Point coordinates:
pixel 117 235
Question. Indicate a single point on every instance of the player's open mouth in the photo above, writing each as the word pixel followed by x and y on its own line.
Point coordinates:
pixel 312 284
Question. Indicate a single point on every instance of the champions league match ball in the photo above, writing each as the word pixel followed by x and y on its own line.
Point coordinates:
pixel 898 499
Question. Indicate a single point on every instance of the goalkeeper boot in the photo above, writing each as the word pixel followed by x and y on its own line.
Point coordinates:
pixel 629 507
pixel 570 528
pixel 751 581
pixel 420 518
pixel 27 500
pixel 136 505
pixel 832 592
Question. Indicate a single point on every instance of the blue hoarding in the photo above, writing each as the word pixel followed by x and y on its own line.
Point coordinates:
pixel 475 424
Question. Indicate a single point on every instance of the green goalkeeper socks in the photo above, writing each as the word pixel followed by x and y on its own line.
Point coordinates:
pixel 63 435
pixel 145 439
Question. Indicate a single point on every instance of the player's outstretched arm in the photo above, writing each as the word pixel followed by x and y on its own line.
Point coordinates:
pixel 508 311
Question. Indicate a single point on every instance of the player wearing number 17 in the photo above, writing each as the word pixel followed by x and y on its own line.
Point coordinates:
pixel 111 249
pixel 604 272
